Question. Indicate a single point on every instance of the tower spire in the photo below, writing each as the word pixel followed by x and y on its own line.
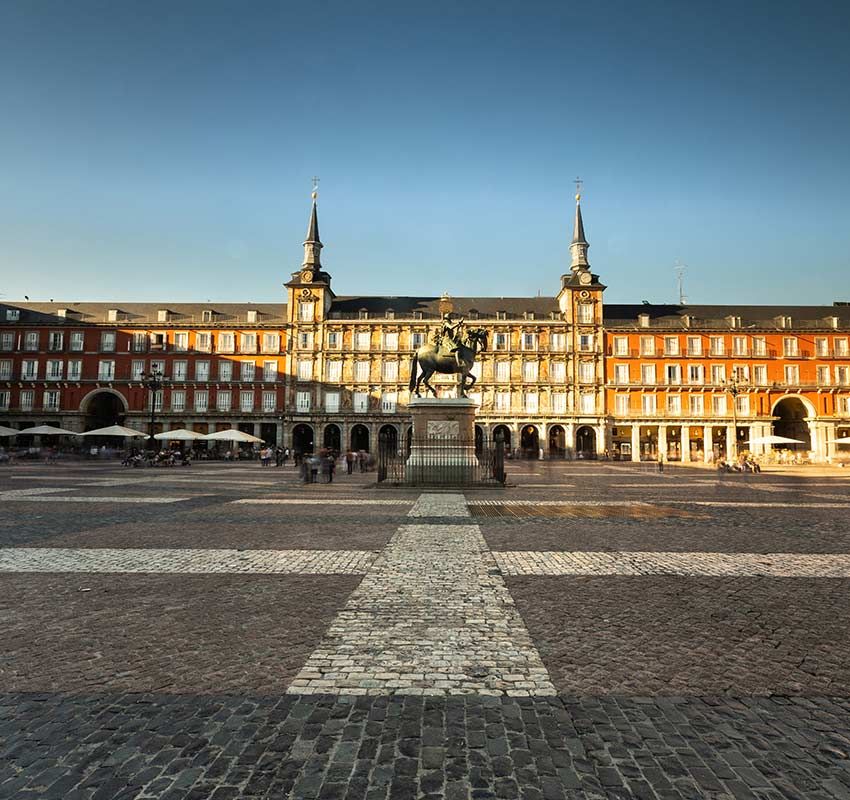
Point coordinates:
pixel 579 245
pixel 312 244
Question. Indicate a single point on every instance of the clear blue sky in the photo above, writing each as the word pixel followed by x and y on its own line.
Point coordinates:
pixel 163 150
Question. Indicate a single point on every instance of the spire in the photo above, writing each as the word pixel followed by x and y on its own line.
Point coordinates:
pixel 312 244
pixel 579 245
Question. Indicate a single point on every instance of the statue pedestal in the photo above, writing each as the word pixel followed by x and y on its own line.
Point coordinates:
pixel 442 449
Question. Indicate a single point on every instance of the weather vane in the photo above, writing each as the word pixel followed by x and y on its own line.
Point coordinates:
pixel 579 183
pixel 315 186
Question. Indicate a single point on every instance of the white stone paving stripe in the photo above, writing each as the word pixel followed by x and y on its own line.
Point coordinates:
pixel 17 494
pixel 558 503
pixel 774 565
pixel 37 499
pixel 753 504
pixel 439 505
pixel 189 561
pixel 339 501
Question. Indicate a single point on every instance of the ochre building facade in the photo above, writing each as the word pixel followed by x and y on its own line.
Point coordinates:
pixel 565 376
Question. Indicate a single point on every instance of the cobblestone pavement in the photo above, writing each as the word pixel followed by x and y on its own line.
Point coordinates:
pixel 715 667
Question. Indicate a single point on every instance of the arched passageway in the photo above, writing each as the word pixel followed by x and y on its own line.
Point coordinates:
pixel 388 438
pixel 360 438
pixel 332 439
pixel 503 432
pixel 102 409
pixel 302 438
pixel 479 440
pixel 585 442
pixel 529 441
pixel 557 442
pixel 792 423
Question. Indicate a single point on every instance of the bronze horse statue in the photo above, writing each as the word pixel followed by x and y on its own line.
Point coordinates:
pixel 440 359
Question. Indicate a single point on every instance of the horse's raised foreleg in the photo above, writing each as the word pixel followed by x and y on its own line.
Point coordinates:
pixel 464 386
pixel 424 378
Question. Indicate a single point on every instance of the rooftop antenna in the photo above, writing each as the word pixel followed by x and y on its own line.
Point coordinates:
pixel 680 281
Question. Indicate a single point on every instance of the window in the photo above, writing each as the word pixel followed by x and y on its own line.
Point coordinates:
pixel 586 372
pixel 621 405
pixel 673 373
pixel 107 341
pixel 334 340
pixel 181 342
pixel 585 342
pixel 5 370
pixel 716 346
pixel 334 371
pixel 648 404
pixel 269 371
pixel 251 315
pixel 179 370
pixel 697 405
pixel 647 374
pixel 694 346
pixel 621 374
pixel 305 341
pixel 5 400
pixel 647 345
pixel 246 400
pixel 789 346
pixel 674 404
pixel 718 374
pixel 531 402
pixel 822 347
pixel 202 371
pixel 621 345
pixel 759 346
pixel 361 371
pixel 139 342
pixel 226 343
pixel 823 376
pixel 332 402
pixel 105 370
pixel 55 340
pixel 389 400
pixel 529 371
pixel 305 311
pixel 247 342
pixel 13 314
pixel 222 400
pixel 390 341
pixel 27 399
pixel 29 370
pixel 584 313
pixel 137 370
pixel 360 402
pixel 841 349
pixel 760 375
pixel 207 315
pixel 739 345
pixel 271 343
pixel 843 406
pixel 362 340
pixel 558 342
pixel 391 371
pixel 302 402
pixel 741 373
pixel 718 405
pixel 559 402
pixel 248 370
pixel 51 400
pixel 742 405
pixel 417 339
pixel 54 370
pixel 558 372
pixel 75 370
pixel 7 341
pixel 162 315
pixel 305 369
pixel 671 345
pixel 31 341
pixel 476 370
pixel 501 341
pixel 225 370
pixel 178 400
pixel 792 375
pixel 503 371
pixel 501 315
pixel 202 400
pixel 157 400
pixel 842 376
pixel 157 341
pixel 529 341
pixel 158 366
pixel 269 401
pixel 503 401
pixel 587 403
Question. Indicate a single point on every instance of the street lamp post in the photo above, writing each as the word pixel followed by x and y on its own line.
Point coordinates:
pixel 153 382
pixel 734 388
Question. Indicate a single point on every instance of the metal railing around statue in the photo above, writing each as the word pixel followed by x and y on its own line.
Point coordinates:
pixel 442 461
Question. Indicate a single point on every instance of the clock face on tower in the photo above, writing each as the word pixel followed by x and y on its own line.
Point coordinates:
pixel 307 276
pixel 585 278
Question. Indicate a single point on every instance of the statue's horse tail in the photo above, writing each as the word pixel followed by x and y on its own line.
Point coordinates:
pixel 413 370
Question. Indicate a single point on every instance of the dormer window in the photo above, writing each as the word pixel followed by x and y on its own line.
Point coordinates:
pixel 112 315
pixel 417 315
pixel 643 320
pixel 163 315
pixel 501 315
pixel 528 315
pixel 207 315
pixel 473 313
pixel 362 314
pixel 833 322
pixel 252 316
pixel 784 322
pixel 390 313
pixel 13 314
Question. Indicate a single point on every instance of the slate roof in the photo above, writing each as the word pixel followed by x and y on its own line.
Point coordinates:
pixel 226 314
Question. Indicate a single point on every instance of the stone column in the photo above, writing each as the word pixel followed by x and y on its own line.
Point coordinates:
pixel 818 451
pixel 602 443
pixel 635 442
pixel 829 431
pixel 662 441
pixel 685 443
pixel 257 429
pixel 731 435
pixel 279 434
pixel 707 443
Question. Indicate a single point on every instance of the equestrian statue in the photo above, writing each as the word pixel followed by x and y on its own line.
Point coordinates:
pixel 452 351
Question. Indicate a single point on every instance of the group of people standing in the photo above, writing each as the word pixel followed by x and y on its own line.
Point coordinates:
pixel 321 466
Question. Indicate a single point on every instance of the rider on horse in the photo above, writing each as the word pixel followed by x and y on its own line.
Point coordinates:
pixel 451 333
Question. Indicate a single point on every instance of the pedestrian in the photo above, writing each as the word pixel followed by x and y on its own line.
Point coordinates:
pixel 661 462
pixel 361 457
pixel 278 456
pixel 349 461
pixel 331 467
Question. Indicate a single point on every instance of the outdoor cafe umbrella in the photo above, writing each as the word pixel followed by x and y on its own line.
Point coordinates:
pixel 115 430
pixel 773 440
pixel 231 435
pixel 4 431
pixel 842 440
pixel 47 430
pixel 179 435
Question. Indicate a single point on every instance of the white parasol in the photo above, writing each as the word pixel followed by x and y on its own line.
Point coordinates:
pixel 774 440
pixel 47 430
pixel 115 430
pixel 231 435
pixel 4 431
pixel 179 435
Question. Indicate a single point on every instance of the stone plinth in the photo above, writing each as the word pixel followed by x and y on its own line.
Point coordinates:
pixel 442 447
